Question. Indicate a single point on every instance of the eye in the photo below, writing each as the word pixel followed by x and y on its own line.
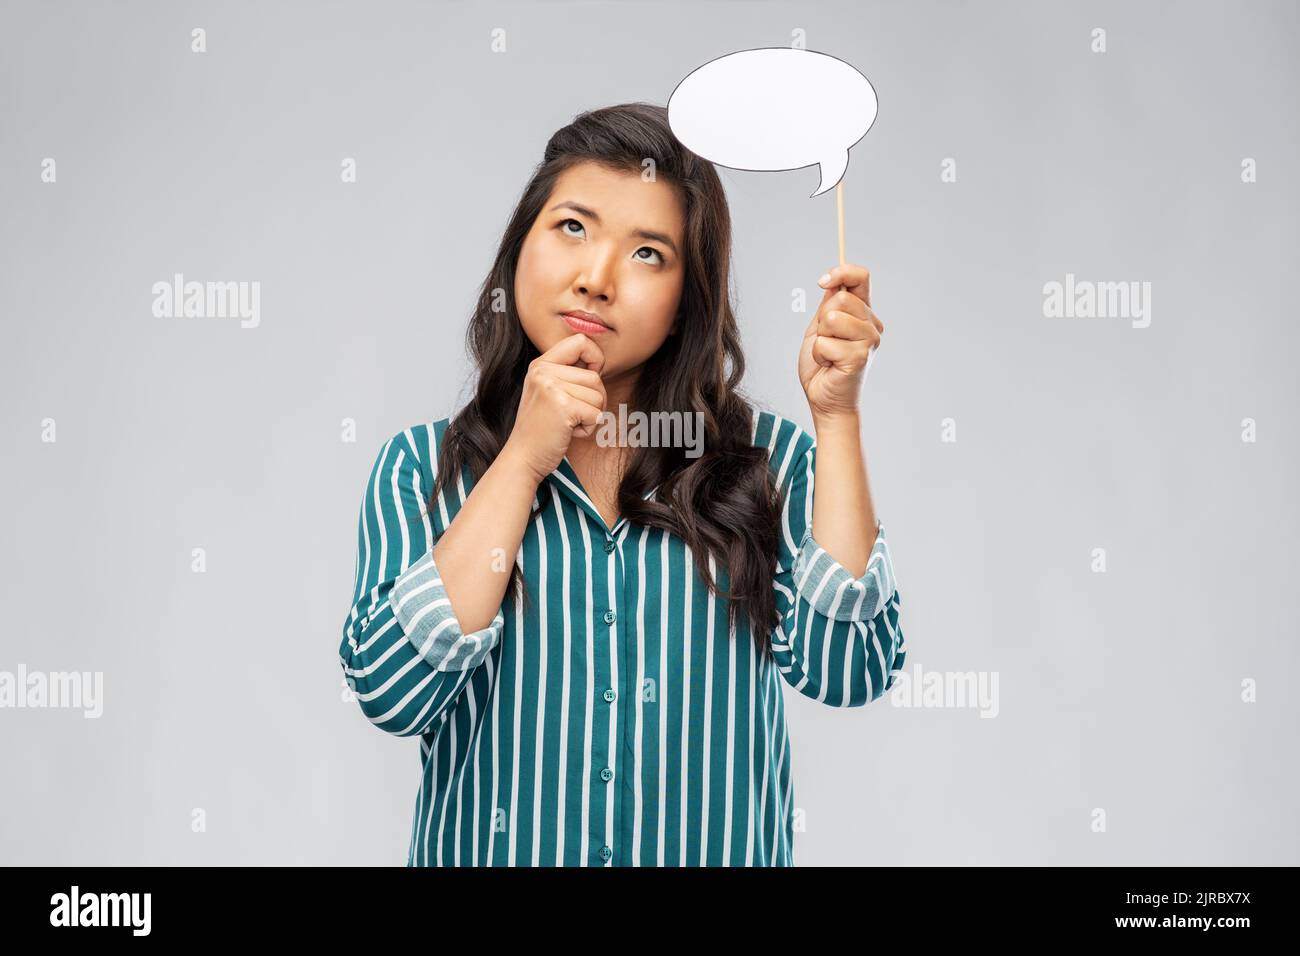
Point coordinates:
pixel 562 224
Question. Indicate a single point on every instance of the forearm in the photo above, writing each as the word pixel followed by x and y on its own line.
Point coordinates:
pixel 844 521
pixel 477 552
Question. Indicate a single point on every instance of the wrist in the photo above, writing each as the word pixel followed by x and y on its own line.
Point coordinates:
pixel 836 424
pixel 516 464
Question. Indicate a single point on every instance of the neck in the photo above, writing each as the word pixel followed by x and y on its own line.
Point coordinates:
pixel 619 388
pixel 618 391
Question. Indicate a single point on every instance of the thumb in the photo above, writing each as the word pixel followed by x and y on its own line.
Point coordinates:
pixel 576 349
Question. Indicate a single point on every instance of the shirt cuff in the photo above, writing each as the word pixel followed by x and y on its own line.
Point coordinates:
pixel 829 587
pixel 422 608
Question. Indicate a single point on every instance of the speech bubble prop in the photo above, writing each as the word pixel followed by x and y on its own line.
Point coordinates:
pixel 774 108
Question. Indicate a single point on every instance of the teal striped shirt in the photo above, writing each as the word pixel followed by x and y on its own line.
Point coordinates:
pixel 616 720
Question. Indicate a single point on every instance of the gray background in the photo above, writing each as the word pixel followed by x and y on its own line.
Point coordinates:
pixel 222 690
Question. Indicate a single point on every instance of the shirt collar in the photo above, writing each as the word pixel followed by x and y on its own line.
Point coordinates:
pixel 566 482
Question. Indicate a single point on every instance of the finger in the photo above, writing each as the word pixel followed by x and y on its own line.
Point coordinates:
pixel 875 320
pixel 576 349
pixel 582 393
pixel 842 325
pixel 845 301
pixel 854 278
pixel 581 417
pixel 845 354
pixel 580 376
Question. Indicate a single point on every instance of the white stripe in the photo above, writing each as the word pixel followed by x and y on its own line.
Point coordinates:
pixel 685 764
pixel 542 691
pixel 661 696
pixel 588 697
pixel 711 600
pixel 732 652
pixel 512 856
pixel 638 711
pixel 565 632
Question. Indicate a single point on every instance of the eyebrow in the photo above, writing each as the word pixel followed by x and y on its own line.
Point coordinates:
pixel 639 233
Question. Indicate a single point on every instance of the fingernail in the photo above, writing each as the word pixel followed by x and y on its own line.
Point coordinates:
pixel 826 277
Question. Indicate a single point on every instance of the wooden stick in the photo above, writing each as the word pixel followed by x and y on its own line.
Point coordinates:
pixel 839 210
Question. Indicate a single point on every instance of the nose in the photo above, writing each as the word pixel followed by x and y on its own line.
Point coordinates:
pixel 596 278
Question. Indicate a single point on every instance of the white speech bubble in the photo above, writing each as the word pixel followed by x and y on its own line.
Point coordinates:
pixel 774 108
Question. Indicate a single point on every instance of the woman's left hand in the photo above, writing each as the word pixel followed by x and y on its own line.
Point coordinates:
pixel 838 343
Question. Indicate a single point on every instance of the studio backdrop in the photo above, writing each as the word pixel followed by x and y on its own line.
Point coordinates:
pixel 1080 221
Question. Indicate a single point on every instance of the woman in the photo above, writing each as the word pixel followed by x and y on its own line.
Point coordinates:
pixel 585 630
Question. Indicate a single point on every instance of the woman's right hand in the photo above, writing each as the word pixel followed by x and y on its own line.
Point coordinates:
pixel 561 398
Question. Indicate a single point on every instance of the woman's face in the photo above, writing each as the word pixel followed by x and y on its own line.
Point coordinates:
pixel 610 244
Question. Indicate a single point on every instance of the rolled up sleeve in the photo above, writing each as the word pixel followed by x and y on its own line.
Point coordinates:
pixel 403 653
pixel 839 640
pixel 829 587
pixel 424 613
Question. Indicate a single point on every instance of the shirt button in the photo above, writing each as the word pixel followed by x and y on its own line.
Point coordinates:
pixel 606 774
pixel 606 853
pixel 609 547
pixel 610 695
pixel 609 617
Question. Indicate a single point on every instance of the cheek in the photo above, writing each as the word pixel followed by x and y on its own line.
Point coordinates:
pixel 524 275
pixel 657 301
pixel 530 298
pixel 532 270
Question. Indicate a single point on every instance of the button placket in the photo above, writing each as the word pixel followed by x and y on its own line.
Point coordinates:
pixel 617 634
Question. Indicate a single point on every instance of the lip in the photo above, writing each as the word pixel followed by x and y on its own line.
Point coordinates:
pixel 584 322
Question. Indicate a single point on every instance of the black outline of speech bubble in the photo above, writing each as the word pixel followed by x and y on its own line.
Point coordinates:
pixel 746 169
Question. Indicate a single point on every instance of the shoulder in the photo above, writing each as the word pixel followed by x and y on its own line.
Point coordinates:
pixel 787 443
pixel 416 446
pixel 425 441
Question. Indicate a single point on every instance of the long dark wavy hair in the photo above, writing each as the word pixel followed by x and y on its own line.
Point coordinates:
pixel 723 503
